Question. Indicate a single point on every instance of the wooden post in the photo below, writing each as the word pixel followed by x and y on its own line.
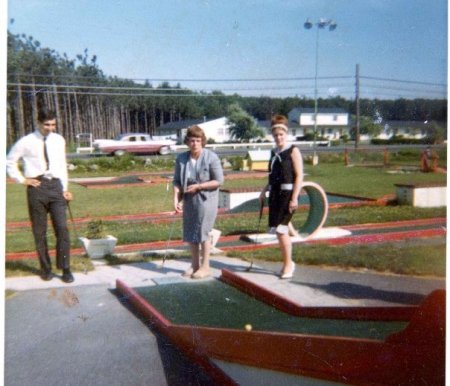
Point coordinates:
pixel 386 157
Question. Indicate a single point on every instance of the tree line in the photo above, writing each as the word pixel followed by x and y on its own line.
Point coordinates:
pixel 88 101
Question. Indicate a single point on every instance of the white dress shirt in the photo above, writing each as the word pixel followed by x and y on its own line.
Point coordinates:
pixel 31 150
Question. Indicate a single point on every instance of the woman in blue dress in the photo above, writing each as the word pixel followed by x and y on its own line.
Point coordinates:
pixel 198 175
pixel 285 181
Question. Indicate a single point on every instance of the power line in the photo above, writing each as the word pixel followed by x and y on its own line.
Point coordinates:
pixel 140 88
pixel 416 90
pixel 228 79
pixel 404 81
pixel 330 89
pixel 183 79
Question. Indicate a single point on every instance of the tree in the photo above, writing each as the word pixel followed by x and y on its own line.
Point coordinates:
pixel 243 125
pixel 436 134
pixel 367 126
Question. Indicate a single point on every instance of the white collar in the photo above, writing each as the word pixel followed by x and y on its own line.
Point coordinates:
pixel 287 146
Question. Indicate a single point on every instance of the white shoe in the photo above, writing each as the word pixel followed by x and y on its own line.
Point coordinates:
pixel 288 274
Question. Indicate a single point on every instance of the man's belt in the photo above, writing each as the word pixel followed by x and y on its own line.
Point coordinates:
pixel 44 177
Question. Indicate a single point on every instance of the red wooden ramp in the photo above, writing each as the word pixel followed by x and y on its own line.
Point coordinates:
pixel 413 356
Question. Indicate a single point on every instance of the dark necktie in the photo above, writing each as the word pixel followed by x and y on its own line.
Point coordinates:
pixel 45 153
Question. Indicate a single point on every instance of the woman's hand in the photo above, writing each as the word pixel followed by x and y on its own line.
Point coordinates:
pixel 292 206
pixel 194 188
pixel 178 206
pixel 177 199
pixel 262 197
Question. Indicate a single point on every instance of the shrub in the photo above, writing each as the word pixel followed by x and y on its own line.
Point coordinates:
pixel 95 230
pixel 236 162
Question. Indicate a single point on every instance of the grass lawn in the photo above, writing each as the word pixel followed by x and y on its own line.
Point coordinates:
pixel 128 232
pixel 28 267
pixel 427 258
pixel 333 177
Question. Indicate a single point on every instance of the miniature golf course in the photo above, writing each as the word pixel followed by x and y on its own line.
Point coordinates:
pixel 210 321
pixel 216 304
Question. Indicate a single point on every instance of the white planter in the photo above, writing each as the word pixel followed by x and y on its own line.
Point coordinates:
pixel 98 248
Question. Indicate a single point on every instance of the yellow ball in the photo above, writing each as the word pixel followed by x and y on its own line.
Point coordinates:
pixel 248 327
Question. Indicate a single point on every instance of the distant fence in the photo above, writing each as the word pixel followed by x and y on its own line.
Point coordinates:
pixel 258 145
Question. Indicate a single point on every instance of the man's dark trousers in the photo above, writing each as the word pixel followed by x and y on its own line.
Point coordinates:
pixel 48 198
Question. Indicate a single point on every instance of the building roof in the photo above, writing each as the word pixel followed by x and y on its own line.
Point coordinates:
pixel 184 124
pixel 267 124
pixel 180 124
pixel 320 110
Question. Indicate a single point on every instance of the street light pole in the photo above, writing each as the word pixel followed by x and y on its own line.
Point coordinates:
pixel 316 102
pixel 321 24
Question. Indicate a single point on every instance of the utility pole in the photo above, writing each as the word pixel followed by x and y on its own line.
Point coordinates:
pixel 321 24
pixel 357 107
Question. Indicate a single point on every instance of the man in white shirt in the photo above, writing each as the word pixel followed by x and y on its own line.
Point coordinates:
pixel 43 153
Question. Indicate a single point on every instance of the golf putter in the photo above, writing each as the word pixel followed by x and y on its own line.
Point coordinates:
pixel 261 209
pixel 168 240
pixel 72 220
pixel 170 231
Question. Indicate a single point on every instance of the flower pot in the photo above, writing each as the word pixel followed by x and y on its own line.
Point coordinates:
pixel 99 248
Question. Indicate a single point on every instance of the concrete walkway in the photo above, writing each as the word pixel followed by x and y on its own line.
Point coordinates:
pixel 83 334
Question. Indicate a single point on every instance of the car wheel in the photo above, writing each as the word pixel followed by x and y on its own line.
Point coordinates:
pixel 119 153
pixel 164 150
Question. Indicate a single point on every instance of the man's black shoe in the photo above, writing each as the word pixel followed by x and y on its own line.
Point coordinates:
pixel 67 276
pixel 47 275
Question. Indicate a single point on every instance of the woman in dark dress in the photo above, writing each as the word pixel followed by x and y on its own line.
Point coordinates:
pixel 285 180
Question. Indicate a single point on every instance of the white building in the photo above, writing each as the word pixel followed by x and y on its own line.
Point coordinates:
pixel 415 130
pixel 216 129
pixel 332 123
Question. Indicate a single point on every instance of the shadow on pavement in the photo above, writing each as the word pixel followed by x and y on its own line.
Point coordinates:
pixel 177 368
pixel 357 291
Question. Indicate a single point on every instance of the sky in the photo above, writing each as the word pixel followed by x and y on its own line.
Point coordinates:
pixel 238 45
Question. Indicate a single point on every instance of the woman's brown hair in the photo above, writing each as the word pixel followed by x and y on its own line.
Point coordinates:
pixel 196 132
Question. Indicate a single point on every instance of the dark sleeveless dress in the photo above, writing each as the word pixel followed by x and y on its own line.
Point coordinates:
pixel 281 172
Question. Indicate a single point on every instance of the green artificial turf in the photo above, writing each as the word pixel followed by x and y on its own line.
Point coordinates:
pixel 215 304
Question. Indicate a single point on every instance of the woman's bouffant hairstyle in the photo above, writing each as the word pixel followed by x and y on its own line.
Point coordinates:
pixel 278 121
pixel 196 132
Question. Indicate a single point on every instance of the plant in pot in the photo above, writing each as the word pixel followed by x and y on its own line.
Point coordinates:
pixel 96 242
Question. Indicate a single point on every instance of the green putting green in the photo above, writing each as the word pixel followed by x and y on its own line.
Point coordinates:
pixel 215 304
pixel 253 204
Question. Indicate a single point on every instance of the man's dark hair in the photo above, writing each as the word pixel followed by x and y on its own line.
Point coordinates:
pixel 46 115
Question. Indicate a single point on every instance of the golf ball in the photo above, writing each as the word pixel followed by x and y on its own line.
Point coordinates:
pixel 248 327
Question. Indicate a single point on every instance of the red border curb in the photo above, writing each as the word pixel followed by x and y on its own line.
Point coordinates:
pixel 353 239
